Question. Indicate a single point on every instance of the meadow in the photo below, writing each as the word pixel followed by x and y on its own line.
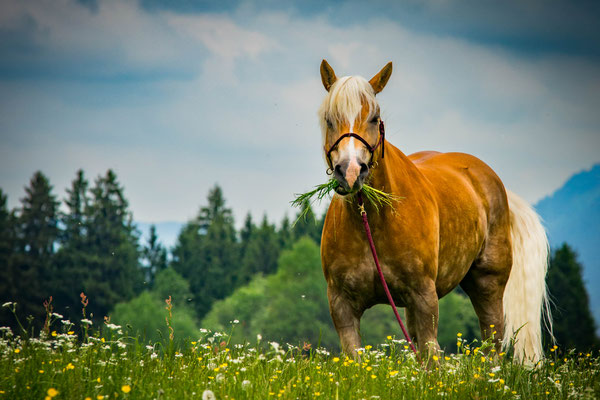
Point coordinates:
pixel 107 363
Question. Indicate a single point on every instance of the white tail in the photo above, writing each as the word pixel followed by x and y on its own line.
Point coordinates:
pixel 525 297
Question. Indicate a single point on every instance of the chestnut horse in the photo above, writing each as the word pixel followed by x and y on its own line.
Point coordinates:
pixel 455 224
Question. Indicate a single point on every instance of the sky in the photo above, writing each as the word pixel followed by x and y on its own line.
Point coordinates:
pixel 177 96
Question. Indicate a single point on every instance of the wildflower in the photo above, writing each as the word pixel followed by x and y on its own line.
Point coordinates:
pixel 71 333
pixel 86 321
pixel 368 347
pixel 208 395
pixel 126 388
pixel 52 392
pixel 435 358
pixel 17 351
pixel 336 359
pixel 53 333
pixel 373 376
pixel 246 384
pixel 7 304
pixel 259 337
pixel 393 373
pixel 389 338
pixel 70 366
pixel 235 321
pixel 459 334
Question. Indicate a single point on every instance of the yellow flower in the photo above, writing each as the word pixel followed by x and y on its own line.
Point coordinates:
pixel 41 371
pixel 482 359
pixel 99 397
pixel 435 358
pixel 53 333
pixel 492 326
pixel 70 333
pixel 52 392
pixel 70 366
pixel 491 374
pixel 336 359
pixel 102 340
pixel 126 388
pixel 373 376
pixel 459 334
pixel 88 398
pixel 389 338
pixel 98 380
pixel 447 358
pixel 501 381
pixel 369 368
pixel 393 373
pixel 368 347
pixel 17 351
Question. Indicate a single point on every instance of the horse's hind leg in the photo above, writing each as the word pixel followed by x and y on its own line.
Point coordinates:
pixel 346 320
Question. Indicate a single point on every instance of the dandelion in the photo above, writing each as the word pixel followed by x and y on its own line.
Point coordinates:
pixel 17 351
pixel 389 337
pixel 336 359
pixel 208 395
pixel 393 373
pixel 126 388
pixel 52 392
pixel 435 358
pixel 459 334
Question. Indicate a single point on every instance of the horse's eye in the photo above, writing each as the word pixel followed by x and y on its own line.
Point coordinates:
pixel 375 119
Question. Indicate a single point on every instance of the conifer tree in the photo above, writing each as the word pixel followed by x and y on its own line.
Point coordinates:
pixel 262 252
pixel 155 257
pixel 284 234
pixel 36 236
pixel 308 225
pixel 7 249
pixel 111 243
pixel 246 234
pixel 207 253
pixel 573 322
pixel 72 260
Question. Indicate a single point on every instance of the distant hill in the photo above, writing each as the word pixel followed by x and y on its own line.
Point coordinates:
pixel 572 215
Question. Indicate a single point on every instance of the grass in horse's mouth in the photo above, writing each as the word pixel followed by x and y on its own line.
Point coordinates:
pixel 376 197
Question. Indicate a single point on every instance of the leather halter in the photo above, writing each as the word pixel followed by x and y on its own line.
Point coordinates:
pixel 380 141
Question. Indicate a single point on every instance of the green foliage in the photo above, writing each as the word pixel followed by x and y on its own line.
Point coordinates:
pixel 456 315
pixel 261 252
pixel 288 306
pixel 169 283
pixel 573 322
pixel 146 315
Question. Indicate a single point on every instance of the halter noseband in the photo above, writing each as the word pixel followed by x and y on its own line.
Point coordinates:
pixel 380 141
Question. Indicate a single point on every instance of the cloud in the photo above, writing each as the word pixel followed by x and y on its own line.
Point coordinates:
pixel 177 102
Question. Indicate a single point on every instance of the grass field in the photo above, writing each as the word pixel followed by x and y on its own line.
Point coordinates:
pixel 63 364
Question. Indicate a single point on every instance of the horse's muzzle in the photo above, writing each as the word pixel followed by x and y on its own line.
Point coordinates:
pixel 350 176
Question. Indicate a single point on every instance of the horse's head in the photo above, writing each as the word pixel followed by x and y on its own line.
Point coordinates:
pixel 349 118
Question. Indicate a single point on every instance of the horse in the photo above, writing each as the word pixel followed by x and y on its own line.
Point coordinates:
pixel 453 224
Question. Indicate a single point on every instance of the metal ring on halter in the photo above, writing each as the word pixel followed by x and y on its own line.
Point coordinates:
pixel 329 171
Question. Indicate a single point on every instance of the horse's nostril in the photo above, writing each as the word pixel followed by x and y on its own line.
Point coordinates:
pixel 338 169
pixel 363 168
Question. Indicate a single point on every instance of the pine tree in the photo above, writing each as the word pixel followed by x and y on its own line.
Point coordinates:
pixel 37 233
pixel 284 234
pixel 207 253
pixel 72 260
pixel 8 223
pixel 246 234
pixel 262 252
pixel 573 322
pixel 111 244
pixel 155 257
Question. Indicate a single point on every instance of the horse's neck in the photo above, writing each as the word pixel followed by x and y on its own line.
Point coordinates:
pixel 394 173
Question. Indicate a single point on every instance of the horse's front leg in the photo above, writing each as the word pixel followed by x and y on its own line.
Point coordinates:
pixel 346 320
pixel 423 311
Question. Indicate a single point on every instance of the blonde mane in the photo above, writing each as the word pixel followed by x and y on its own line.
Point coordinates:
pixel 344 102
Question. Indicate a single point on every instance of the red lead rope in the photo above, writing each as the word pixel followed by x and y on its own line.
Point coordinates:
pixel 363 214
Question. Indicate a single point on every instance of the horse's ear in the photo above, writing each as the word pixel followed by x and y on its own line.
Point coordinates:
pixel 378 81
pixel 327 75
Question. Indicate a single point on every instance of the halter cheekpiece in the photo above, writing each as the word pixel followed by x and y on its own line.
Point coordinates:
pixel 380 141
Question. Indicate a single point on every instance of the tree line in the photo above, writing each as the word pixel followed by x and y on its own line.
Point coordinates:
pixel 266 277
